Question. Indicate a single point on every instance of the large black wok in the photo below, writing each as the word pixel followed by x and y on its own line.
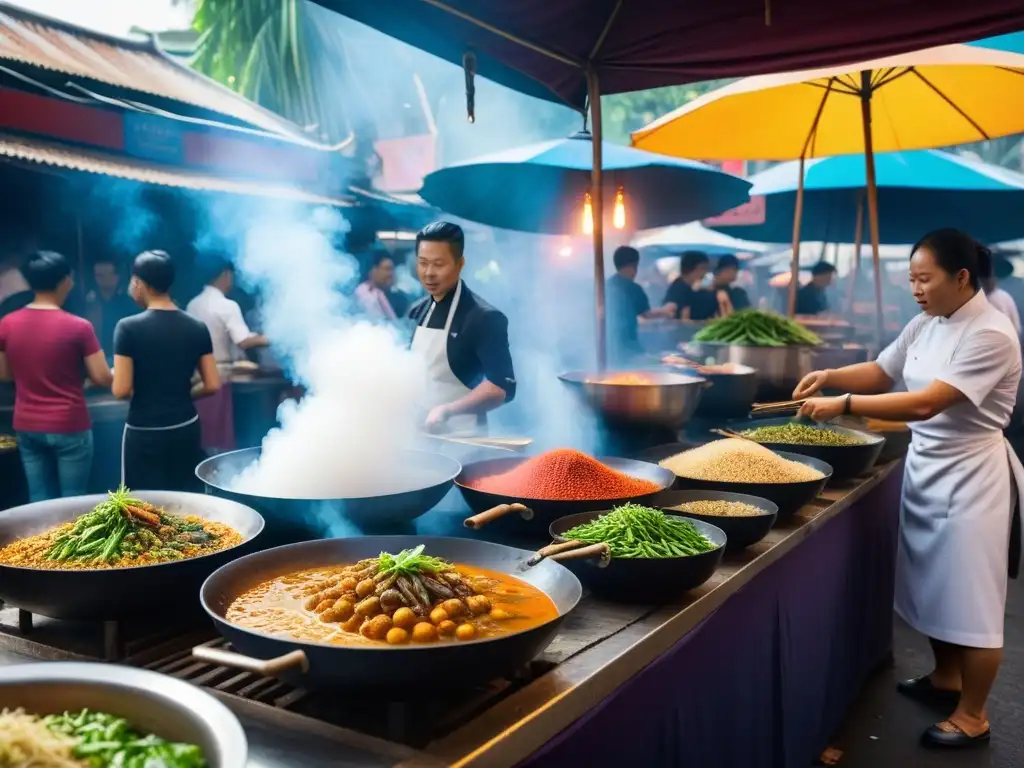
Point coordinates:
pixel 634 580
pixel 421 480
pixel 100 595
pixel 846 460
pixel 397 671
pixel 540 513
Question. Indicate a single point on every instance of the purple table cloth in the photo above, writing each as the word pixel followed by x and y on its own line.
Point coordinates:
pixel 767 679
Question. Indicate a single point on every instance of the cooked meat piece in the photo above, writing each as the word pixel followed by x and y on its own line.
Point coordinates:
pixel 420 590
pixel 405 587
pixel 385 584
pixel 194 537
pixel 391 600
pixel 437 589
pixel 457 584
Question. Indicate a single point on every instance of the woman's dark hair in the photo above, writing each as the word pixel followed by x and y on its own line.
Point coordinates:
pixel 690 260
pixel 955 250
pixel 443 232
pixel 155 269
pixel 625 256
pixel 728 261
pixel 45 270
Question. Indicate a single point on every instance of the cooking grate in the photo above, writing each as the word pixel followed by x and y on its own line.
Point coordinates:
pixel 413 723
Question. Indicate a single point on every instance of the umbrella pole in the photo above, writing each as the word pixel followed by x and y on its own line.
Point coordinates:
pixel 872 192
pixel 794 269
pixel 597 202
pixel 858 237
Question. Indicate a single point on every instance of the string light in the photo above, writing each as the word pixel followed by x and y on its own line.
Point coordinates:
pixel 588 216
pixel 619 214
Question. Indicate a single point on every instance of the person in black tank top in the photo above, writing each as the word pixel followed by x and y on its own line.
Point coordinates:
pixel 156 355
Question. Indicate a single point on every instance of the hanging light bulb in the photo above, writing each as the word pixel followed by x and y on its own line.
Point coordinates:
pixel 619 214
pixel 588 216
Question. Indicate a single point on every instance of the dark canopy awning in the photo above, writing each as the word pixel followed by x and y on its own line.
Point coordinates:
pixel 541 47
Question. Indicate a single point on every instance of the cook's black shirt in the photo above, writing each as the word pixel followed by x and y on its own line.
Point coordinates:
pixel 626 301
pixel 477 340
pixel 165 346
pixel 702 303
pixel 811 300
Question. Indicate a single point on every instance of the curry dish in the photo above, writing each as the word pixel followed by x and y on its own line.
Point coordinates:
pixel 392 600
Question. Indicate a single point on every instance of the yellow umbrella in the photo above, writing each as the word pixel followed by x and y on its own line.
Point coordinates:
pixel 935 97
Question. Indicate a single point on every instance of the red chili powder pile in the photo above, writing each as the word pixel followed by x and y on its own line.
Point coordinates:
pixel 564 475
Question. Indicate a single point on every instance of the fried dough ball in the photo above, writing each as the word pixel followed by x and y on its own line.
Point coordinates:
pixel 369 607
pixel 348 584
pixel 397 636
pixel 365 588
pixel 354 623
pixel 454 607
pixel 405 618
pixel 446 627
pixel 424 632
pixel 478 603
pixel 312 601
pixel 499 614
pixel 343 609
pixel 324 605
pixel 465 632
pixel 376 628
pixel 438 615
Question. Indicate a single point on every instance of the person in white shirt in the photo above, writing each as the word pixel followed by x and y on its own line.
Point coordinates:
pixel 372 293
pixel 996 296
pixel 230 336
pixel 223 317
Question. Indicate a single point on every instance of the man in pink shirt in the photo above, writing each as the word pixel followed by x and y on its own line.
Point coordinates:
pixel 46 351
pixel 372 293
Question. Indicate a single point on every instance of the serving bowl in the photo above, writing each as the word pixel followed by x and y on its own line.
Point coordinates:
pixel 152 703
pixel 740 532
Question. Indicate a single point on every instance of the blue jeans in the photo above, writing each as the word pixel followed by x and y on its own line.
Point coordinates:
pixel 56 465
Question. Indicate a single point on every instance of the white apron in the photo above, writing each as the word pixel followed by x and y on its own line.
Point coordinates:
pixel 443 386
pixel 956 511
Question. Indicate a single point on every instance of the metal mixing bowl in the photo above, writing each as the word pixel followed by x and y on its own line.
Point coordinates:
pixel 151 702
pixel 663 399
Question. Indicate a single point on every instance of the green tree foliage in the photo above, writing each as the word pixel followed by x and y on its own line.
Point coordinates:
pixel 624 113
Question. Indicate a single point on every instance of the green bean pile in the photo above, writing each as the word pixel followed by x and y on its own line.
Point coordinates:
pixel 641 532
pixel 106 740
pixel 800 434
pixel 124 526
pixel 754 328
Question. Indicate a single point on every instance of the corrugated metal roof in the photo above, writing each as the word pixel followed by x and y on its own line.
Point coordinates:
pixel 137 66
pixel 88 161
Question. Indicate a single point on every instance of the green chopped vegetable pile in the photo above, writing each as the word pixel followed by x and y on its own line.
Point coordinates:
pixel 754 328
pixel 409 562
pixel 636 531
pixel 799 434
pixel 118 526
pixel 107 741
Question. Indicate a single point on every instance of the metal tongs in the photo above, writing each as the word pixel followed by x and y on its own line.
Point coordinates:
pixel 785 406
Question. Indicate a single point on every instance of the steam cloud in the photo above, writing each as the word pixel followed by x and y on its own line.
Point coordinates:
pixel 364 387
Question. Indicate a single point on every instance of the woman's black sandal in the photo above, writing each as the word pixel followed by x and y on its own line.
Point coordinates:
pixel 952 737
pixel 921 689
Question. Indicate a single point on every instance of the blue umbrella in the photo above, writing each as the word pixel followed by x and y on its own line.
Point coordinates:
pixel 917 192
pixel 542 187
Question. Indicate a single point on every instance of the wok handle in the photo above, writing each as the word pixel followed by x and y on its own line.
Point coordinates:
pixel 594 550
pixel 489 516
pixel 266 667
pixel 553 549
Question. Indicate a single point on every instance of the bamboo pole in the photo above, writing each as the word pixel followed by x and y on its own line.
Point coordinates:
pixel 597 201
pixel 858 237
pixel 872 193
pixel 794 269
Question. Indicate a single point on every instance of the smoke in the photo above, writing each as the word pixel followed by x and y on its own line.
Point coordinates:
pixel 364 387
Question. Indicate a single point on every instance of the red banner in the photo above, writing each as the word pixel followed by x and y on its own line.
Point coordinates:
pixel 746 215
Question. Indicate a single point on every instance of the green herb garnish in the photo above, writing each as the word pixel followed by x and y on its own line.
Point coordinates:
pixel 107 740
pixel 409 562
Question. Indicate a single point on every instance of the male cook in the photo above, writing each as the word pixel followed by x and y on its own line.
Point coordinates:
pixel 462 338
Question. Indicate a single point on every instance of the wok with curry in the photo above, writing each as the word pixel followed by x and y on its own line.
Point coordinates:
pixel 408 598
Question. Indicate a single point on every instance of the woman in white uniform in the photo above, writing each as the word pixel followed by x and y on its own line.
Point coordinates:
pixel 461 338
pixel 961 362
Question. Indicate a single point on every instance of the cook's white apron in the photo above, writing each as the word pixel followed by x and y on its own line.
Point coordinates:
pixel 124 436
pixel 443 386
pixel 958 499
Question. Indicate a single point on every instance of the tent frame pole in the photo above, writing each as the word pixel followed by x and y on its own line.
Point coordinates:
pixel 794 267
pixel 597 203
pixel 866 90
pixel 858 241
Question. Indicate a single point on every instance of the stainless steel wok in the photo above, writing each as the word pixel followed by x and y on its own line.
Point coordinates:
pixel 666 399
pixel 151 702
